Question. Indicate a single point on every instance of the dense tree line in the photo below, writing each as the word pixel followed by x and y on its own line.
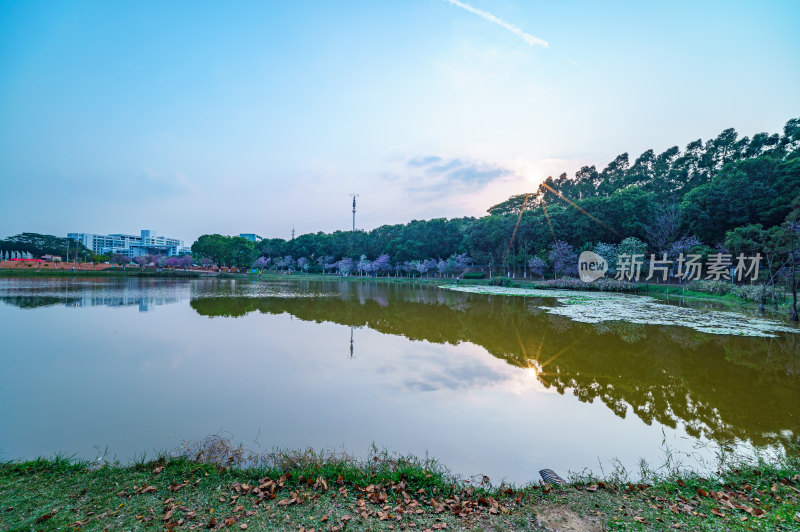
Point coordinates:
pixel 730 194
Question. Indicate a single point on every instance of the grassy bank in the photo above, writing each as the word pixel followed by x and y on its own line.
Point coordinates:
pixel 308 491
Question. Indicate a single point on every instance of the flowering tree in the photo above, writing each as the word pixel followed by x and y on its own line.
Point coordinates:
pixel 261 263
pixel 160 260
pixel 286 262
pixel 441 267
pixel 117 258
pixel 302 264
pixel 683 245
pixel 185 261
pixel 631 246
pixel 206 262
pixel 172 262
pixel 430 265
pixel 421 266
pixel 382 264
pixel 563 258
pixel 142 260
pixel 345 266
pixel 363 265
pixel 537 266
pixel 456 263
pixel 326 263
pixel 463 261
pixel 791 244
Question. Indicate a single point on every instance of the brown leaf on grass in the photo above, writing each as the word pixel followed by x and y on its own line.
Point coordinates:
pixel 681 484
pixel 243 526
pixel 754 511
pixel 158 470
pixel 717 512
pixel 168 515
pixel 45 517
pixel 176 487
pixel 702 492
pixel 592 488
pixel 212 523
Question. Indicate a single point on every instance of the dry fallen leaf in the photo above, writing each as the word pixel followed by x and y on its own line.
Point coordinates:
pixel 45 517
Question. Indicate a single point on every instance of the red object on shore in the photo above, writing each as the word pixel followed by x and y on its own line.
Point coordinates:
pixel 28 260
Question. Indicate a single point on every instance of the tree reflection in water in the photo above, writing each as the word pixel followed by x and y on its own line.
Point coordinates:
pixel 725 388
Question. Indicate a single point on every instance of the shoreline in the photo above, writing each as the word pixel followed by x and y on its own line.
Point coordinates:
pixel 208 489
pixel 668 292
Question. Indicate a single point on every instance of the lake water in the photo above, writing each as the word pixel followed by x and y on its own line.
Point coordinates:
pixel 487 384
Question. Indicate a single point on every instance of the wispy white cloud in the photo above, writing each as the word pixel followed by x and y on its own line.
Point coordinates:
pixel 527 37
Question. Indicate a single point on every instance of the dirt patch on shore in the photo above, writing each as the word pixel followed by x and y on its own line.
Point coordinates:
pixel 561 519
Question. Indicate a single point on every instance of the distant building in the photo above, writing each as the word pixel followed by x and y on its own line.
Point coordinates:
pixel 147 243
pixel 251 236
pixel 51 258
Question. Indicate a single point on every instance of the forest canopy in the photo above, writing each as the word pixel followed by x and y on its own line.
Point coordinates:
pixel 696 197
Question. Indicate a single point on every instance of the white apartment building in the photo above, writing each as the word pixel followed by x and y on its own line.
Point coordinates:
pixel 147 243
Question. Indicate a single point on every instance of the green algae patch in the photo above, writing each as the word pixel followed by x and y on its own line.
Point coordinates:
pixel 598 307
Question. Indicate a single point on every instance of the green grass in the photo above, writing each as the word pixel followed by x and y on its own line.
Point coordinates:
pixel 329 492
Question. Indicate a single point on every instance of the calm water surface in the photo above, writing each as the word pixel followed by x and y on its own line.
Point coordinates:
pixel 486 384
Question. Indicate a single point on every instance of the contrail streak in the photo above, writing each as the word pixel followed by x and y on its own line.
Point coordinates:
pixel 527 37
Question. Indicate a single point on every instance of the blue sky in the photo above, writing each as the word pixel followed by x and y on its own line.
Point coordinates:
pixel 197 117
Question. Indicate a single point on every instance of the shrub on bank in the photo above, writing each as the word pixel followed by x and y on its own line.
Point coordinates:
pixel 473 275
pixel 746 292
pixel 717 288
pixel 501 281
pixel 600 285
